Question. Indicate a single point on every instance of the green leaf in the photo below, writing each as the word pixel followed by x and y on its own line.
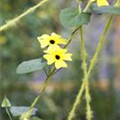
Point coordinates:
pixel 35 118
pixel 17 111
pixel 105 9
pixel 70 17
pixel 30 66
pixel 6 102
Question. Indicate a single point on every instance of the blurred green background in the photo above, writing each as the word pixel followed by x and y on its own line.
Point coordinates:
pixel 20 43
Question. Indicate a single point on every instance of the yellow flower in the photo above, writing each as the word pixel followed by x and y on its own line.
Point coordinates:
pixel 46 40
pixel 58 56
pixel 101 2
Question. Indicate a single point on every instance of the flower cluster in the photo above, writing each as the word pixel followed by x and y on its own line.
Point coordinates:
pixel 54 53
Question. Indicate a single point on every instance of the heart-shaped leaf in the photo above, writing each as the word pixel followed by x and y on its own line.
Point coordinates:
pixel 30 66
pixel 6 102
pixel 70 17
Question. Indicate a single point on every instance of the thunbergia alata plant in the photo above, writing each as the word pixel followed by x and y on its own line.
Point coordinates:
pixel 56 54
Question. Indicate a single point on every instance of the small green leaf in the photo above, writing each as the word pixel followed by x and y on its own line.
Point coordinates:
pixel 35 118
pixel 6 102
pixel 30 66
pixel 70 17
pixel 105 9
pixel 17 111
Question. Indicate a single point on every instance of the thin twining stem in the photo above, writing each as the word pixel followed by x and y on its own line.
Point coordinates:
pixel 14 21
pixel 10 117
pixel 86 76
pixel 42 89
pixel 47 80
pixel 87 6
pixel 76 103
pixel 92 64
pixel 102 38
pixel 85 80
pixel 46 73
pixel 84 67
pixel 71 36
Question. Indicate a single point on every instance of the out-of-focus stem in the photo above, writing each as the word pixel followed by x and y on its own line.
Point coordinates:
pixel 13 22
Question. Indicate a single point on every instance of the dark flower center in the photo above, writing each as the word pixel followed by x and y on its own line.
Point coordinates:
pixel 57 57
pixel 52 41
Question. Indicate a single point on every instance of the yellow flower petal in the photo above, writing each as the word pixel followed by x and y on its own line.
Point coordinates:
pixel 59 39
pixel 55 48
pixel 43 43
pixel 51 49
pixel 62 41
pixel 56 35
pixel 45 36
pixel 68 57
pixel 61 50
pixel 43 40
pixel 60 64
pixel 50 59
pixel 102 3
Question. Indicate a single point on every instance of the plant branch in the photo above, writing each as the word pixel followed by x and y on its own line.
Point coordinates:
pixel 71 36
pixel 14 21
pixel 85 80
pixel 47 80
pixel 46 73
pixel 85 84
pixel 42 89
pixel 76 103
pixel 101 41
pixel 8 113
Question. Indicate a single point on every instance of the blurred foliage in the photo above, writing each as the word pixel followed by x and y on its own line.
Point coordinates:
pixel 56 105
pixel 19 43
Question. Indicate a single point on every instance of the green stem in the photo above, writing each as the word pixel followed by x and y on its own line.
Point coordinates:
pixel 46 73
pixel 71 36
pixel 85 84
pixel 83 51
pixel 101 41
pixel 42 89
pixel 92 64
pixel 87 6
pixel 76 103
pixel 47 80
pixel 85 80
pixel 79 6
pixel 8 113
pixel 14 21
pixel 88 100
pixel 84 67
